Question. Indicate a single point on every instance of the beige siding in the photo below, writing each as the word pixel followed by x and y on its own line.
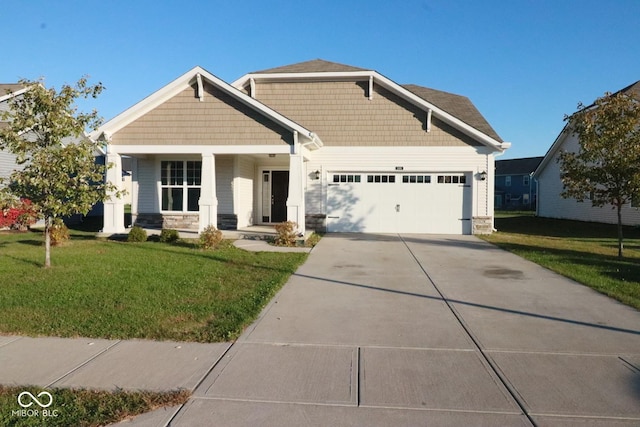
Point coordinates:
pixel 552 205
pixel 219 120
pixel 342 115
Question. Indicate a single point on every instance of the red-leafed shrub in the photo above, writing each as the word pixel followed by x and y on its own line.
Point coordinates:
pixel 18 215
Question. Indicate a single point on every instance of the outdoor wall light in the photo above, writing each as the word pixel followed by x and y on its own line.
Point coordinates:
pixel 483 176
pixel 316 175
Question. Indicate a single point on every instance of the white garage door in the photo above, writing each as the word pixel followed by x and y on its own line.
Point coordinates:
pixel 437 203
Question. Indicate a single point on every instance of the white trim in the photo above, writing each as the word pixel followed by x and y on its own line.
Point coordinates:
pixel 199 149
pixel 429 112
pixel 253 88
pixel 200 87
pixel 387 84
pixel 552 151
pixel 261 171
pixel 370 88
pixel 13 94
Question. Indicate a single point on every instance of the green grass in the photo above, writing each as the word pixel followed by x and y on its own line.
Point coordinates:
pixel 585 252
pixel 82 408
pixel 119 290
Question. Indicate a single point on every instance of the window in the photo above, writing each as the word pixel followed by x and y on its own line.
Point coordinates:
pixel 452 179
pixel 180 182
pixel 346 178
pixel 507 181
pixel 416 179
pixel 381 178
pixel 525 180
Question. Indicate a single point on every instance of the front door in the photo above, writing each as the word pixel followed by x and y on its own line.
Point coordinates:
pixel 279 195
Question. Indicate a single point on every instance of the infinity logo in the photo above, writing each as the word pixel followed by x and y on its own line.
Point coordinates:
pixel 35 399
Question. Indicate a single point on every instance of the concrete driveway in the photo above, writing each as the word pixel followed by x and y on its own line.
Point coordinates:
pixel 427 330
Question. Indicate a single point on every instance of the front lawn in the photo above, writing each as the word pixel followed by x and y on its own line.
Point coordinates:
pixel 119 290
pixel 585 252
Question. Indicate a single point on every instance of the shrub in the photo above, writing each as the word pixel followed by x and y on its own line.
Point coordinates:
pixel 137 234
pixel 59 233
pixel 17 214
pixel 210 237
pixel 286 233
pixel 169 235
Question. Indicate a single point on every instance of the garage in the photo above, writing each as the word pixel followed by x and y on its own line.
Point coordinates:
pixel 415 202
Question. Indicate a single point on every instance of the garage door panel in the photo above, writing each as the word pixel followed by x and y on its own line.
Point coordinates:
pixel 399 203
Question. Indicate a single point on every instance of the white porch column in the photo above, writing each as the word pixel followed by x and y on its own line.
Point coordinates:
pixel 208 200
pixel 295 201
pixel 114 206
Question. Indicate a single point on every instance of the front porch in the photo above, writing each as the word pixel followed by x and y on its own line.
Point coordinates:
pixel 189 192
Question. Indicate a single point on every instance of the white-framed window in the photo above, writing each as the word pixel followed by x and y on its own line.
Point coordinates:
pixel 507 181
pixel 180 182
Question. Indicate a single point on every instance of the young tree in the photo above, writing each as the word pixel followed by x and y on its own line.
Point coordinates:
pixel 606 168
pixel 46 133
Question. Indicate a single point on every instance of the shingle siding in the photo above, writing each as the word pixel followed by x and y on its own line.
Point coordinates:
pixel 218 120
pixel 342 115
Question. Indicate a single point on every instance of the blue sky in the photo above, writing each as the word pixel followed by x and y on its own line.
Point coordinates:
pixel 523 63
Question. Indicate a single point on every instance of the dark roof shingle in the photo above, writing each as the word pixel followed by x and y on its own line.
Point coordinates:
pixel 524 166
pixel 456 105
pixel 6 88
pixel 313 66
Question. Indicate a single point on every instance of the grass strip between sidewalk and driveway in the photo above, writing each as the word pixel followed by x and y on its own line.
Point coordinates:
pixel 78 407
pixel 583 251
pixel 108 289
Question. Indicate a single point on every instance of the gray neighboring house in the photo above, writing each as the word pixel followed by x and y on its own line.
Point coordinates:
pixel 8 160
pixel 552 205
pixel 515 186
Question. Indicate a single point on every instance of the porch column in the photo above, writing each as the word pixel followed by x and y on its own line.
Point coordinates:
pixel 113 213
pixel 208 200
pixel 295 201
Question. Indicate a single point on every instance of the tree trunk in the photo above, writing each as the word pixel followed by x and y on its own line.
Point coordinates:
pixel 620 246
pixel 47 241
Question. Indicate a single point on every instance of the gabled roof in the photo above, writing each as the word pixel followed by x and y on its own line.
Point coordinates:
pixel 186 80
pixel 463 115
pixel 632 90
pixel 313 66
pixel 7 90
pixel 456 105
pixel 524 166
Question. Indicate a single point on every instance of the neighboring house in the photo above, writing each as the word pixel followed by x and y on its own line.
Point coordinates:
pixel 552 205
pixel 7 159
pixel 515 188
pixel 326 145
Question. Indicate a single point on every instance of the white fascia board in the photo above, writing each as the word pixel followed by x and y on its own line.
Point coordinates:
pixel 552 151
pixel 12 94
pixel 389 85
pixel 199 149
pixel 182 83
